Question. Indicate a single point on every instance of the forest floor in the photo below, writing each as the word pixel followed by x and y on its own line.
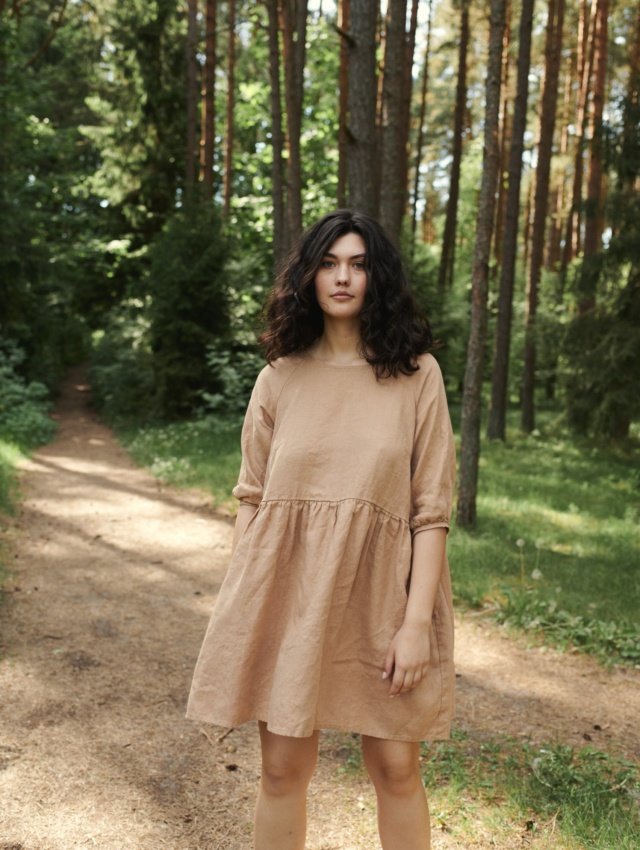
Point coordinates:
pixel 113 580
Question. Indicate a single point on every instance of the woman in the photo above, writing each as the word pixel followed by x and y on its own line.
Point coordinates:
pixel 336 611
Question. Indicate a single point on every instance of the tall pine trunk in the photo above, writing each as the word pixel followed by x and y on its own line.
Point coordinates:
pixel 294 35
pixel 447 258
pixel 393 158
pixel 228 154
pixel 420 139
pixel 472 393
pixel 505 142
pixel 500 375
pixel 280 228
pixel 361 155
pixel 344 22
pixel 192 100
pixel 586 44
pixel 208 133
pixel 553 51
pixel 594 211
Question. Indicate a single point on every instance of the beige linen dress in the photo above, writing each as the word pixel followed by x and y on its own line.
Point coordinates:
pixel 344 468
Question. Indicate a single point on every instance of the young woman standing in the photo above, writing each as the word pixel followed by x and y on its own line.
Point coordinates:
pixel 336 611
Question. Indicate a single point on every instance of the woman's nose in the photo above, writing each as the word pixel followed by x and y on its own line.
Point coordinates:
pixel 343 274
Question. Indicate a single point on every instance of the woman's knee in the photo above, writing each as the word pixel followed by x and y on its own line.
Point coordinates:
pixel 393 766
pixel 287 763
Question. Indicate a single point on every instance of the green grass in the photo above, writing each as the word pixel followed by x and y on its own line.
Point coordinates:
pixel 566 798
pixel 204 453
pixel 556 546
pixel 9 457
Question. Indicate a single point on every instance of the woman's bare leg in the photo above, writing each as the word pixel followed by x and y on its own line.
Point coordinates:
pixel 281 808
pixel 403 813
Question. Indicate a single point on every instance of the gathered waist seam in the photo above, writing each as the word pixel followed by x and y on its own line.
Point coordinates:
pixel 335 502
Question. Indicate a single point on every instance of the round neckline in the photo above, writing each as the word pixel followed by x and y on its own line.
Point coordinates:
pixel 354 365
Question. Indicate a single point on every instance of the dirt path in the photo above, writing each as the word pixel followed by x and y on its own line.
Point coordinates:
pixel 114 579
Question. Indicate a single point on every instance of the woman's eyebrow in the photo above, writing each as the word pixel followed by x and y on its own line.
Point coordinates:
pixel 354 257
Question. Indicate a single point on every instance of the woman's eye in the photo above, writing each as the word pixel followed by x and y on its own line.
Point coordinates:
pixel 359 266
pixel 327 264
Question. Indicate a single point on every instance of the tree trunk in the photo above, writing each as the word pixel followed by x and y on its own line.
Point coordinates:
pixel 207 143
pixel 192 100
pixel 445 274
pixel 499 378
pixel 343 139
pixel 553 52
pixel 361 158
pixel 505 143
pixel 294 36
pixel 472 393
pixel 554 248
pixel 228 168
pixel 420 140
pixel 593 211
pixel 586 43
pixel 393 180
pixel 280 229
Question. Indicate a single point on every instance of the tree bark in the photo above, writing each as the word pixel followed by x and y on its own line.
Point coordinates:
pixel 207 143
pixel 586 43
pixel 294 36
pixel 344 18
pixel 447 258
pixel 361 155
pixel 499 379
pixel 231 85
pixel 393 157
pixel 554 248
pixel 472 393
pixel 420 140
pixel 593 211
pixel 280 229
pixel 192 100
pixel 553 51
pixel 505 142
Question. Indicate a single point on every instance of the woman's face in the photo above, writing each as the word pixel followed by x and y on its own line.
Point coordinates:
pixel 341 279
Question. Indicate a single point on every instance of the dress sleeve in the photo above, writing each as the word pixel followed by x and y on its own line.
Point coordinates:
pixel 257 432
pixel 433 461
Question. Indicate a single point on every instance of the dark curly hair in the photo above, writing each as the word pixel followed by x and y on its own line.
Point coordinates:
pixel 394 333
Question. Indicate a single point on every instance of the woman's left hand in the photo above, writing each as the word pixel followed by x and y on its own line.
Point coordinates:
pixel 408 657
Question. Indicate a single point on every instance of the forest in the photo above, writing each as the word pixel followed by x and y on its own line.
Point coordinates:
pixel 157 160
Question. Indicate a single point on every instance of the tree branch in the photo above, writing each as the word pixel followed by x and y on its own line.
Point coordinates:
pixel 52 34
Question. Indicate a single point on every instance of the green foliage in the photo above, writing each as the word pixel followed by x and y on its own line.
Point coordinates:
pixel 23 406
pixel 188 309
pixel 202 453
pixel 236 370
pixel 121 373
pixel 610 641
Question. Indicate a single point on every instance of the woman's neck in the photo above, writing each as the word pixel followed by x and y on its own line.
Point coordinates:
pixel 340 343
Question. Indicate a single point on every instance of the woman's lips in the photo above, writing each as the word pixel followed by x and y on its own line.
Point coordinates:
pixel 341 296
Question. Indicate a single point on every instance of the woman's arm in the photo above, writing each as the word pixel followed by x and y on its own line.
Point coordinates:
pixel 243 518
pixel 408 657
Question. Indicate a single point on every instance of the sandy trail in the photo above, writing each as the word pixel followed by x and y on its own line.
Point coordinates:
pixel 114 579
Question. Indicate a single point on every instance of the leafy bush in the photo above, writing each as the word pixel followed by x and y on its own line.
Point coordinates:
pixel 237 371
pixel 23 406
pixel 121 373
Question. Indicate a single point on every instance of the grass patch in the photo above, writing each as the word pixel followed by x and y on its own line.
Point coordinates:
pixel 9 457
pixel 565 798
pixel 555 548
pixel 204 453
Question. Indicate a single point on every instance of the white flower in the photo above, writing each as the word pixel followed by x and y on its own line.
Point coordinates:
pixel 536 575
pixel 520 542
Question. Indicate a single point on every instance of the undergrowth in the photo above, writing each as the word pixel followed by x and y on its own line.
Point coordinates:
pixel 574 799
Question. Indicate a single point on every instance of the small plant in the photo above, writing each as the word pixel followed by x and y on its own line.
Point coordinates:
pixel 611 642
pixel 23 405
